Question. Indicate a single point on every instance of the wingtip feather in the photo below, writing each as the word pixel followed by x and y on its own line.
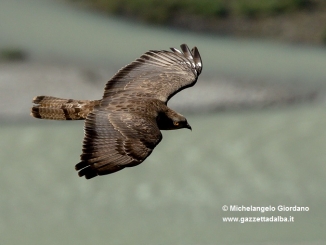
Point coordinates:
pixel 197 59
pixel 176 50
pixel 88 172
pixel 186 51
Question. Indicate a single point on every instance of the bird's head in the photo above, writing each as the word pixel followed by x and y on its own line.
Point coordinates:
pixel 172 120
pixel 180 122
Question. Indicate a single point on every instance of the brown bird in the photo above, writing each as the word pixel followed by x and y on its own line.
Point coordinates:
pixel 123 128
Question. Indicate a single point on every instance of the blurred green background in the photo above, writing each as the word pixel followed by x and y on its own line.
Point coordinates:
pixel 259 157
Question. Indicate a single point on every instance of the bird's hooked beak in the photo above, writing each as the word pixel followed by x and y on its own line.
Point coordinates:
pixel 188 126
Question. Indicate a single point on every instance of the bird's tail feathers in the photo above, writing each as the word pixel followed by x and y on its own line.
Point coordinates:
pixel 48 107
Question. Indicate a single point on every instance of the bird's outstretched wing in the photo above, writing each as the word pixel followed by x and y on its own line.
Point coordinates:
pixel 115 140
pixel 156 74
pixel 115 135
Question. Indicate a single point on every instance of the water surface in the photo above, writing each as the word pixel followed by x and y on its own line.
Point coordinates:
pixel 275 157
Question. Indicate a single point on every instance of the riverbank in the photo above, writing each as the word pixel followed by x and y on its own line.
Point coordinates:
pixel 295 21
pixel 21 81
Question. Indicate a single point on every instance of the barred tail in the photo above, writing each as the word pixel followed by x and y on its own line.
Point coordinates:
pixel 48 107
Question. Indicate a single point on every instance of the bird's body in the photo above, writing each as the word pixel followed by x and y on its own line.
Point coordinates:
pixel 123 128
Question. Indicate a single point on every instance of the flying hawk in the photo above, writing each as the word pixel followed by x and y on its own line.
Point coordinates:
pixel 123 128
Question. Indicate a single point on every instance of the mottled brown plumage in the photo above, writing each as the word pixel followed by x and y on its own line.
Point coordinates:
pixel 123 128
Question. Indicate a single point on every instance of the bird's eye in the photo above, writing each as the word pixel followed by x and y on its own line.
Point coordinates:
pixel 176 123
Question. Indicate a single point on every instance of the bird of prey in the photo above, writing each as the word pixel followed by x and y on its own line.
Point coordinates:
pixel 123 128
